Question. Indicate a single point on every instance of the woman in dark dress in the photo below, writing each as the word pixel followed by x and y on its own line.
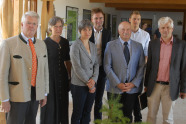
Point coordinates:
pixel 56 109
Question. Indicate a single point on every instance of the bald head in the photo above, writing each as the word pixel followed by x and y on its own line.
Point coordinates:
pixel 124 30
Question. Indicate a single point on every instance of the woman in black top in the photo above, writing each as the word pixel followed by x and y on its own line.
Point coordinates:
pixel 56 109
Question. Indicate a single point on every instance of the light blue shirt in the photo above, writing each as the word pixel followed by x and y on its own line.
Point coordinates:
pixel 142 37
pixel 129 47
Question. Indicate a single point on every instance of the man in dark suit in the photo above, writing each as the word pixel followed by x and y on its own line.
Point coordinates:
pixel 23 73
pixel 165 72
pixel 100 36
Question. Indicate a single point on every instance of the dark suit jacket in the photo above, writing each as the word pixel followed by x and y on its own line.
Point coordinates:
pixel 106 37
pixel 177 67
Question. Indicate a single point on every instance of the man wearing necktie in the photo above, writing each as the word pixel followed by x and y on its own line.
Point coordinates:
pixel 124 66
pixel 23 73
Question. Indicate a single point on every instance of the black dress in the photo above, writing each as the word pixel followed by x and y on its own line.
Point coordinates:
pixel 56 109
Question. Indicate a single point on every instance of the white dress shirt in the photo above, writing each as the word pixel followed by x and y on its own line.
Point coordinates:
pixel 142 37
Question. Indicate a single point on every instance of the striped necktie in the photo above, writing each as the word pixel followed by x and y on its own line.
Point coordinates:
pixel 34 63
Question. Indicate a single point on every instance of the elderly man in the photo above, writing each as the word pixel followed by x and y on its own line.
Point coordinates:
pixel 23 73
pixel 165 72
pixel 124 66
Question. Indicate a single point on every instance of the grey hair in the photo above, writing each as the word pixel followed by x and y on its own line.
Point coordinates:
pixel 30 13
pixel 83 24
pixel 164 20
pixel 53 22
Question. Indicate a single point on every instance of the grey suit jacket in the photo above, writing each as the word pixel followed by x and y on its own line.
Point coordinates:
pixel 16 70
pixel 84 66
pixel 117 69
pixel 177 67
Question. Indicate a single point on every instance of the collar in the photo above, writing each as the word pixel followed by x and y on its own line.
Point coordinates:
pixel 26 39
pixel 122 42
pixel 138 31
pixel 95 31
pixel 162 41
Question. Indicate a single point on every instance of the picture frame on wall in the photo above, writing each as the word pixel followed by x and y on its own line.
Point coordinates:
pixel 87 14
pixel 72 23
pixel 114 21
pixel 124 19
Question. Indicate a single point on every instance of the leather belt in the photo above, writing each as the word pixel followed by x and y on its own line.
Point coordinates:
pixel 162 82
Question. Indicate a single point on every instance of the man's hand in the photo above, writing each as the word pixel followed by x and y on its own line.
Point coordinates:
pixel 43 102
pixel 5 106
pixel 121 86
pixel 182 95
pixel 128 87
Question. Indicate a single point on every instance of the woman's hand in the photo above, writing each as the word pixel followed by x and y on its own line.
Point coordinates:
pixel 91 86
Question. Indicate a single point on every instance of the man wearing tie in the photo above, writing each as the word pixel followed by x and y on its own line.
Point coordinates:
pixel 100 36
pixel 124 66
pixel 23 73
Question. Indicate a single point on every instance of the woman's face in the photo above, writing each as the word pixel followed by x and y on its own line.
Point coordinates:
pixel 86 32
pixel 57 29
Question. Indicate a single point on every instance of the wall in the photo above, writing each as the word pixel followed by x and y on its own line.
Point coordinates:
pixel 156 15
pixel 60 8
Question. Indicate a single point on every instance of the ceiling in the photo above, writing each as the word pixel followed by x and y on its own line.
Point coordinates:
pixel 145 5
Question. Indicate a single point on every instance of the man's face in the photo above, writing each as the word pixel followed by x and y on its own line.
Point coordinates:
pixel 29 26
pixel 135 20
pixel 97 20
pixel 166 30
pixel 124 31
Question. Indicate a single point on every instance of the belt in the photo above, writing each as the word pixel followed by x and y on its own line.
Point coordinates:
pixel 162 82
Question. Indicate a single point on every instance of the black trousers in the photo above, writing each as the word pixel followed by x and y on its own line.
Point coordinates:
pixel 100 86
pixel 128 101
pixel 23 112
pixel 82 104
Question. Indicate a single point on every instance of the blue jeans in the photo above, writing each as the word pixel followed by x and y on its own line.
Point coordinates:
pixel 82 104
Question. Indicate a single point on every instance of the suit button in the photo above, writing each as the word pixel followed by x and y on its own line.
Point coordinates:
pixel 29 68
pixel 91 62
pixel 90 68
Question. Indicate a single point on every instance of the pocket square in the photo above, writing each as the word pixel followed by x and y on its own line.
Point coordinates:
pixel 17 56
pixel 14 83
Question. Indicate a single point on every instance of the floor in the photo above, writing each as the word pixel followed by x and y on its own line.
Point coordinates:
pixel 179 112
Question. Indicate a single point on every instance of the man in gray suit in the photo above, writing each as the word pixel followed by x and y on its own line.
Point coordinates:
pixel 124 66
pixel 23 81
pixel 165 72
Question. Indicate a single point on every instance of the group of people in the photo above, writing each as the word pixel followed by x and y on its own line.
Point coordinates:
pixel 34 72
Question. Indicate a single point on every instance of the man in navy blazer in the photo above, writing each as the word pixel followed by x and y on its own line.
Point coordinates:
pixel 123 75
pixel 100 36
pixel 165 76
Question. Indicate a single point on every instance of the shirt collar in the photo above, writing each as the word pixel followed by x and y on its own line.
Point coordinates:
pixel 122 42
pixel 97 31
pixel 26 39
pixel 171 40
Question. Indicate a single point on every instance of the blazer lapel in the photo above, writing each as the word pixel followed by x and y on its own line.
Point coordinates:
pixel 92 37
pixel 84 49
pixel 132 50
pixel 120 48
pixel 174 49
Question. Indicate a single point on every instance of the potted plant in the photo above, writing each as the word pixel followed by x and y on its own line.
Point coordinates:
pixel 112 110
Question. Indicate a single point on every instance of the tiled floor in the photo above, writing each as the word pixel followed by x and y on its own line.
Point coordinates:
pixel 179 112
